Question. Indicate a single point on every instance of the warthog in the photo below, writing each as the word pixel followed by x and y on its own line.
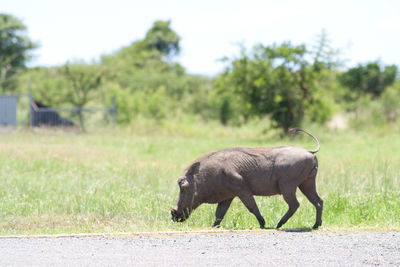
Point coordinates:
pixel 243 172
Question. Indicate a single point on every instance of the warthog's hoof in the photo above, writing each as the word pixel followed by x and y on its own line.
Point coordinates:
pixel 315 227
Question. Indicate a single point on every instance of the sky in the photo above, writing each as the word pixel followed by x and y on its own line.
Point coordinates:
pixel 364 30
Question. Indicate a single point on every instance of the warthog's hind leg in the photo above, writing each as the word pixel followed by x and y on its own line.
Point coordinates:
pixel 291 200
pixel 309 190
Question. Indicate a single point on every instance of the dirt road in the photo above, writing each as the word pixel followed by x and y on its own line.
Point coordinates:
pixel 269 248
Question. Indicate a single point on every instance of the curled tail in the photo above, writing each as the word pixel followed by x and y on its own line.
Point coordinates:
pixel 296 130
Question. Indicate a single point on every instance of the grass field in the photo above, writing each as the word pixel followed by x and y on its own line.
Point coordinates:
pixel 125 180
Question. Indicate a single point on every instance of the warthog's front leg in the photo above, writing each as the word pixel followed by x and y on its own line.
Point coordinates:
pixel 223 206
pixel 248 200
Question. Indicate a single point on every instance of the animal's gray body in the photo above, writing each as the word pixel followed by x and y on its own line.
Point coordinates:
pixel 247 171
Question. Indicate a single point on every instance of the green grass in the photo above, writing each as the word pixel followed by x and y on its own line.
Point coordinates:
pixel 125 180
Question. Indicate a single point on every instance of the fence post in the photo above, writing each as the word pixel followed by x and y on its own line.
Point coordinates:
pixel 114 110
pixel 30 102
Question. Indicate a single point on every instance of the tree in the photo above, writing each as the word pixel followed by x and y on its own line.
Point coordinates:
pixel 162 38
pixel 272 80
pixel 149 82
pixel 47 84
pixel 141 64
pixel 324 56
pixel 84 80
pixel 15 47
pixel 369 79
pixel 160 41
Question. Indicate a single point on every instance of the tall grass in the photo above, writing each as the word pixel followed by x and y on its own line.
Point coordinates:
pixel 125 180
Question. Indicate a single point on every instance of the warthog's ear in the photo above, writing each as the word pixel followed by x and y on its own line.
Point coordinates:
pixel 193 169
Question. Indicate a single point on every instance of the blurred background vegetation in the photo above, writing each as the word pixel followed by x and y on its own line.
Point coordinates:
pixel 286 84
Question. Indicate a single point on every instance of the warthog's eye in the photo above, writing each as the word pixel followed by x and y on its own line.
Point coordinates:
pixel 182 182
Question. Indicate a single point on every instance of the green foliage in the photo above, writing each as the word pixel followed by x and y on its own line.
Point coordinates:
pixel 72 85
pixel 142 76
pixel 225 111
pixel 390 102
pixel 47 84
pixel 369 79
pixel 287 84
pixel 148 83
pixel 231 106
pixel 153 105
pixel 15 47
pixel 322 53
pixel 320 109
pixel 142 64
pixel 274 80
pixel 83 82
pixel 162 38
pixel 371 112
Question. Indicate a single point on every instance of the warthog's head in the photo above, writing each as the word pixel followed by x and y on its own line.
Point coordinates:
pixel 186 202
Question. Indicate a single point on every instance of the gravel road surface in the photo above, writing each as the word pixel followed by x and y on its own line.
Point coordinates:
pixel 269 248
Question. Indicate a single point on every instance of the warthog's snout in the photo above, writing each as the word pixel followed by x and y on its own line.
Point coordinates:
pixel 178 216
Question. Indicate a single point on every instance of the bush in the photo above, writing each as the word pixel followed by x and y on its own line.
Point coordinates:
pixel 377 112
pixel 390 100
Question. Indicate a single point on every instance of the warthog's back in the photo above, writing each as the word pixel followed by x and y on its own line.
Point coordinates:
pixel 262 168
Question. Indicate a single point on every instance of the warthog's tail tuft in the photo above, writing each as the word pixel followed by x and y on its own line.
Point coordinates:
pixel 296 130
